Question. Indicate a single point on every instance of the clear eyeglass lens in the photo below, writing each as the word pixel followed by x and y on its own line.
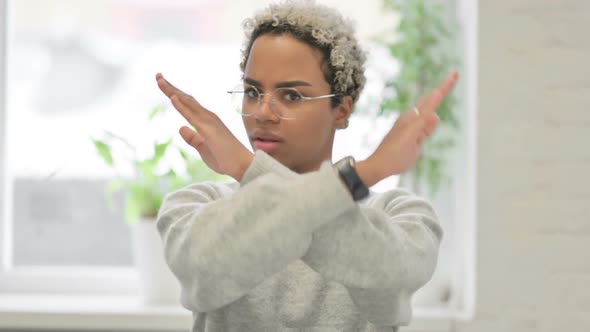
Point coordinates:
pixel 246 99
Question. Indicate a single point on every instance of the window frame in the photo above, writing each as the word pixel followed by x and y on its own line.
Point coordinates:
pixel 465 200
pixel 50 279
pixel 118 281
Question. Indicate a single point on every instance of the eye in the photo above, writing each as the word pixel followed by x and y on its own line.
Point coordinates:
pixel 291 95
pixel 251 92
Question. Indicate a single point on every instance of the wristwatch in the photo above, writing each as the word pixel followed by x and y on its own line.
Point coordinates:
pixel 347 170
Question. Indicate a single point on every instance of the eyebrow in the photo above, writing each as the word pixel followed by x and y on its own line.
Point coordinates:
pixel 287 84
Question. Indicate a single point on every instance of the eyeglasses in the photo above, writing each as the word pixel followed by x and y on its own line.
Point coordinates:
pixel 285 102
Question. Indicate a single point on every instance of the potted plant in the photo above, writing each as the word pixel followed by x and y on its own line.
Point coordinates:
pixel 144 192
pixel 425 46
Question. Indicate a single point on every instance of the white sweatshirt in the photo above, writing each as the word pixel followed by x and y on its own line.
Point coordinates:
pixel 282 251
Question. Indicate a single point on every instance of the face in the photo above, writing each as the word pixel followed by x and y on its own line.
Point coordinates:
pixel 306 140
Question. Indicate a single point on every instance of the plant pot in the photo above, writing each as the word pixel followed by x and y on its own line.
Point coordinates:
pixel 157 284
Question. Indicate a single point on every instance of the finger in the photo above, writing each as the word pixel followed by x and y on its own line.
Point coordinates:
pixel 188 113
pixel 166 87
pixel 431 123
pixel 192 137
pixel 449 83
pixel 411 120
pixel 423 126
pixel 424 137
pixel 431 102
pixel 421 138
pixel 170 90
pixel 442 91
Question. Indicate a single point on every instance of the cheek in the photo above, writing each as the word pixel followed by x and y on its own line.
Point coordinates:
pixel 314 129
pixel 249 123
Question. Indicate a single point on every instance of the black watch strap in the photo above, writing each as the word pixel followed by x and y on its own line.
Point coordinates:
pixel 347 169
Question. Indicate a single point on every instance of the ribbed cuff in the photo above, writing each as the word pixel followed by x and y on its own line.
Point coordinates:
pixel 262 164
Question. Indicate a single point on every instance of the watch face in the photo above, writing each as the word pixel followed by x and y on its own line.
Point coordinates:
pixel 350 161
pixel 346 161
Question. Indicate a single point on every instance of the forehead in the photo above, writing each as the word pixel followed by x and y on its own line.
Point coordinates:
pixel 278 58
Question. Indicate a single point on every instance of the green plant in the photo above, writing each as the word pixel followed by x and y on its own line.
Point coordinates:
pixel 426 50
pixel 145 191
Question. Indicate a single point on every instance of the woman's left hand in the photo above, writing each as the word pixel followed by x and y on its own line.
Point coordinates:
pixel 216 144
pixel 401 147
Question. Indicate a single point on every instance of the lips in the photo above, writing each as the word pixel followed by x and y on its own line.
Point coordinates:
pixel 266 141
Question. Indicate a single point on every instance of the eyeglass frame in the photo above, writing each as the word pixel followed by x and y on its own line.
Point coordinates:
pixel 272 104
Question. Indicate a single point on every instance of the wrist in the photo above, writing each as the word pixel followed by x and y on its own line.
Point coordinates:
pixel 244 164
pixel 368 172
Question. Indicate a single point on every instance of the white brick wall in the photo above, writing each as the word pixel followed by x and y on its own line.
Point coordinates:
pixel 534 167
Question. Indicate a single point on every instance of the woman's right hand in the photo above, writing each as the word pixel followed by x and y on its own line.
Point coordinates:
pixel 401 147
pixel 218 147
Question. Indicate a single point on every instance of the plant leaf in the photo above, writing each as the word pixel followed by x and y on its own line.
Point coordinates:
pixel 147 169
pixel 160 150
pixel 104 151
pixel 144 199
pixel 155 111
pixel 184 155
pixel 176 181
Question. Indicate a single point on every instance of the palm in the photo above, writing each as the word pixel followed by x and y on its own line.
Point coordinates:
pixel 218 147
pixel 401 147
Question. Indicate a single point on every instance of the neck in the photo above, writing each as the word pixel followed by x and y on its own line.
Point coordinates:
pixel 310 167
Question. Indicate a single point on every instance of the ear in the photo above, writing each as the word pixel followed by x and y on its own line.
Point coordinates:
pixel 342 112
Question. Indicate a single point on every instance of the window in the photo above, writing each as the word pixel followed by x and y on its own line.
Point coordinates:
pixel 72 71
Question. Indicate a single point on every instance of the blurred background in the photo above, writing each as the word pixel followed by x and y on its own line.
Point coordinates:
pixel 506 173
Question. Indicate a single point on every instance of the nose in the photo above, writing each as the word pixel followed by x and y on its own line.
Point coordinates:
pixel 264 110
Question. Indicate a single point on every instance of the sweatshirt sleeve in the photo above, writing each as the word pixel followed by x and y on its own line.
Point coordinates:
pixel 381 250
pixel 221 244
pixel 389 241
pixel 266 164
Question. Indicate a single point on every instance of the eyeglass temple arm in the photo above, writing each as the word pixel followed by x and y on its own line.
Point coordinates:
pixel 318 97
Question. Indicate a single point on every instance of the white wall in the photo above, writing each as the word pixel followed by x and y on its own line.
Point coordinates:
pixel 534 167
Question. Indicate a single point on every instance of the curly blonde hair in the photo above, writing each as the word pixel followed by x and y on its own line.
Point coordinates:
pixel 321 27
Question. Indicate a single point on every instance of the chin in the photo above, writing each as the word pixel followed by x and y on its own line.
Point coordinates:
pixel 278 156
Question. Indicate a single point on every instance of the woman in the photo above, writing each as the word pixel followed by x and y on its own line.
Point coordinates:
pixel 296 243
